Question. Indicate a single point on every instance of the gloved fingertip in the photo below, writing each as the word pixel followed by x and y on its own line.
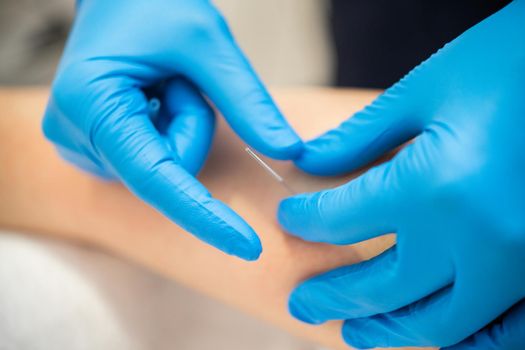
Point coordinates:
pixel 288 212
pixel 215 223
pixel 299 309
pixel 249 250
pixel 312 167
pixel 353 336
pixel 242 242
pixel 294 149
pixel 320 160
pixel 289 148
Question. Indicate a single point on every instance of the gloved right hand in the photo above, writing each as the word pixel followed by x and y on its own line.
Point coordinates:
pixel 454 197
pixel 119 52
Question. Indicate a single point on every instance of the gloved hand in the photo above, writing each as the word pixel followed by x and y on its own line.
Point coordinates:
pixel 455 197
pixel 121 53
pixel 505 334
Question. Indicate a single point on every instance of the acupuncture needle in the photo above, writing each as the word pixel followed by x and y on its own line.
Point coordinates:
pixel 269 170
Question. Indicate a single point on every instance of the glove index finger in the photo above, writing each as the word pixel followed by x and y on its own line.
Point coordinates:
pixel 354 212
pixel 388 122
pixel 227 78
pixel 183 199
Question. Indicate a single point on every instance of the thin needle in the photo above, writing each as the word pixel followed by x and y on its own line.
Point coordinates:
pixel 269 170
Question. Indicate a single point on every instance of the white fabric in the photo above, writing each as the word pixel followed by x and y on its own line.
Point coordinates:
pixel 63 297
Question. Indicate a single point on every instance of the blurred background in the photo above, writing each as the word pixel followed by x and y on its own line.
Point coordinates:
pixel 288 42
pixel 57 296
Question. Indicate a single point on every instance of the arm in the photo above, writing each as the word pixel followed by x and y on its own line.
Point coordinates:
pixel 40 193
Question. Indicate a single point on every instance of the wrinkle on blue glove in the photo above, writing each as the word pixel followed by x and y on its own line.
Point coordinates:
pixel 454 197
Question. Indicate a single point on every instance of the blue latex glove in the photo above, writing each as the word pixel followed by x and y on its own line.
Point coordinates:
pixel 505 334
pixel 119 54
pixel 455 197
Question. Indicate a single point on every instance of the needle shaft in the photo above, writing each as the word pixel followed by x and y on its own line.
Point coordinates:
pixel 269 170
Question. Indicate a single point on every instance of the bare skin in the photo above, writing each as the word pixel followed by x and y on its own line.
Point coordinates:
pixel 42 194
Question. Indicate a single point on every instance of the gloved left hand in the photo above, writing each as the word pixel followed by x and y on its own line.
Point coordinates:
pixel 121 53
pixel 455 197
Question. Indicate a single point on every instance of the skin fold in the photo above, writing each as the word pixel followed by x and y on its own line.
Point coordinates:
pixel 42 194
